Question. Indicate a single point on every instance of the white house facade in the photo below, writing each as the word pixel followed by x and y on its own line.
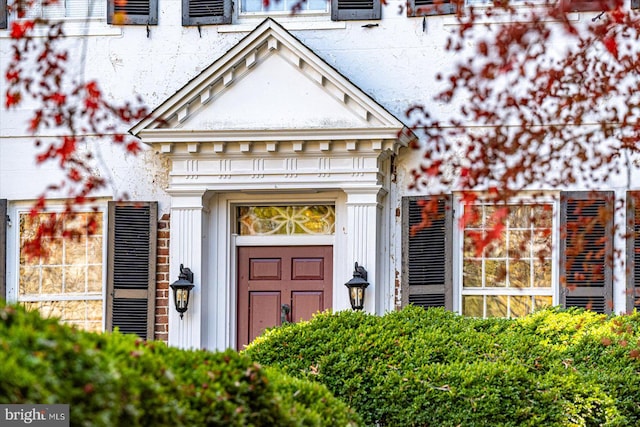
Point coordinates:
pixel 276 158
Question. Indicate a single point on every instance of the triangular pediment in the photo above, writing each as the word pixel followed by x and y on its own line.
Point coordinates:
pixel 269 84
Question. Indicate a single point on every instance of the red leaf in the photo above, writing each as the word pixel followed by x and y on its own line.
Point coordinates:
pixel 74 175
pixel 133 147
pixel 58 98
pixel 612 46
pixel 67 148
pixel 12 99
pixel 19 28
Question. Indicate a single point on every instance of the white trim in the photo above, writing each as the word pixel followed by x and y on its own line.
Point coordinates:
pixel 246 24
pixel 279 240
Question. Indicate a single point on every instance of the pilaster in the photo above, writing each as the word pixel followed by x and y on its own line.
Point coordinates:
pixel 187 247
pixel 363 239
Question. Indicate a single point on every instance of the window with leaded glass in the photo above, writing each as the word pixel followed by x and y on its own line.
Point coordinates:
pixel 286 220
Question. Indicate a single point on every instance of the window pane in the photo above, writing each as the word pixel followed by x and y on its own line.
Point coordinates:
pixel 320 5
pixel 520 244
pixel 520 305
pixel 282 6
pixel 542 273
pixel 519 216
pixel 495 273
pixel 471 239
pixel 75 279
pixel 540 302
pixel 472 306
pixel 498 247
pixel 51 280
pixel 472 274
pixel 29 280
pixel 497 305
pixel 520 274
pixel 542 216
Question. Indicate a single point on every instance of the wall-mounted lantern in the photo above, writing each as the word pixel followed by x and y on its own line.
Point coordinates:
pixel 181 290
pixel 356 287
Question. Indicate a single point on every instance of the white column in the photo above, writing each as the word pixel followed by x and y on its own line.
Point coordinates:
pixel 363 240
pixel 187 246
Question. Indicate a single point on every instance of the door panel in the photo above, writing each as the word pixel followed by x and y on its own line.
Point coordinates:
pixel 265 312
pixel 307 269
pixel 265 268
pixel 305 304
pixel 271 277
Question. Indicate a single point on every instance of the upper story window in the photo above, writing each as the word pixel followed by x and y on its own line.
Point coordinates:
pixel 258 7
pixel 67 9
pixel 446 7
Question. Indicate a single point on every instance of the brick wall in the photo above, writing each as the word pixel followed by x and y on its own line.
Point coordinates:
pixel 162 281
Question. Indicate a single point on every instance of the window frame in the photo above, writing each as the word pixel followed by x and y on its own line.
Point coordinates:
pixel 458 251
pixel 284 13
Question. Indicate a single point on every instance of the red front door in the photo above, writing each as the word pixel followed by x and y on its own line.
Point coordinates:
pixel 281 284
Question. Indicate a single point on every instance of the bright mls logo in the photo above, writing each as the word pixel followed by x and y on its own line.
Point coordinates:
pixel 34 415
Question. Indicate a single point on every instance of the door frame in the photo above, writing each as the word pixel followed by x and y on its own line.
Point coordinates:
pixel 220 321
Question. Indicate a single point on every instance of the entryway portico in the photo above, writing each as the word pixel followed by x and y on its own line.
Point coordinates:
pixel 319 141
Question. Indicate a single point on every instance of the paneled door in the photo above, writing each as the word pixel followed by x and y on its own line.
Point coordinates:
pixel 278 284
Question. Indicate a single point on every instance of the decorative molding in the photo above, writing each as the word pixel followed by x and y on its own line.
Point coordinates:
pixel 269 38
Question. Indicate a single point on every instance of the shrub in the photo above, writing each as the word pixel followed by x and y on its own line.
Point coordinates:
pixel 432 367
pixel 116 379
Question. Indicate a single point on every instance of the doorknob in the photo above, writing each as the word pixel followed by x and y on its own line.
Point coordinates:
pixel 285 309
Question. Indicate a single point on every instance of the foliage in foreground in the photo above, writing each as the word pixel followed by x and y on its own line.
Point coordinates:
pixel 417 367
pixel 116 379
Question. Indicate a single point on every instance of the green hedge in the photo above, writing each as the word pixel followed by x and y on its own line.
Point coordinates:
pixel 116 379
pixel 420 367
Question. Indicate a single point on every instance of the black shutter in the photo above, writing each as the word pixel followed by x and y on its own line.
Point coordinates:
pixel 203 12
pixel 351 10
pixel 3 249
pixel 131 268
pixel 132 12
pixel 426 252
pixel 586 250
pixel 431 7
pixel 633 251
pixel 4 14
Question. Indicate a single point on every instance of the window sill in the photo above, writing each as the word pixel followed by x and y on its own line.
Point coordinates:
pixel 249 24
pixel 75 28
